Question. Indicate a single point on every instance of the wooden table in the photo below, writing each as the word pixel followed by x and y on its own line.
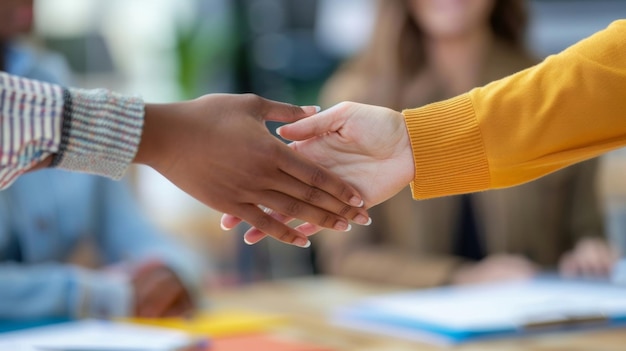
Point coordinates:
pixel 308 301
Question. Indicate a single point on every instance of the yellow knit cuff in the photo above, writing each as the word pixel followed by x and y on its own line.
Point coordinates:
pixel 448 149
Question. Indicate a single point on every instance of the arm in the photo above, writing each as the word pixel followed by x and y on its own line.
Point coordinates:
pixel 198 144
pixel 567 109
pixel 56 290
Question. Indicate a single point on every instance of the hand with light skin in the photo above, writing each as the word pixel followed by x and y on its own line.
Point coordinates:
pixel 501 267
pixel 218 149
pixel 367 146
pixel 592 257
pixel 159 293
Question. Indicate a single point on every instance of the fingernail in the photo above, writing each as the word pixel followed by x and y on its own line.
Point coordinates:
pixel 247 242
pixel 362 220
pixel 306 108
pixel 302 242
pixel 223 227
pixel 342 226
pixel 357 201
pixel 278 131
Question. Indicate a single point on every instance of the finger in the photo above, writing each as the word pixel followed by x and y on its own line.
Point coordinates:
pixel 283 112
pixel 253 235
pixel 316 176
pixel 308 229
pixel 594 263
pixel 229 221
pixel 272 227
pixel 302 210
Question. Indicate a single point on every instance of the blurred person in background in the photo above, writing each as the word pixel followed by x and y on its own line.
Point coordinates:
pixel 424 51
pixel 48 217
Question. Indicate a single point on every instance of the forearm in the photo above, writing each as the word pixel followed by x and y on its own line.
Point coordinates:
pixel 565 110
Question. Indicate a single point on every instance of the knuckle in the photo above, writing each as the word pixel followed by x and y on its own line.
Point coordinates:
pixel 294 110
pixel 312 195
pixel 345 210
pixel 344 192
pixel 285 235
pixel 254 101
pixel 293 208
pixel 318 178
pixel 324 221
pixel 262 222
pixel 251 97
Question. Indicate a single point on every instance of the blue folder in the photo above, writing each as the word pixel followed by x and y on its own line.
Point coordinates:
pixel 453 315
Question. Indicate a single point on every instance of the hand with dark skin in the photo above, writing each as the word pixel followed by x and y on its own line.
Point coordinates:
pixel 159 293
pixel 218 149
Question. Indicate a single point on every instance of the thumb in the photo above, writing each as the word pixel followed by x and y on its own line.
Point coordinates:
pixel 325 122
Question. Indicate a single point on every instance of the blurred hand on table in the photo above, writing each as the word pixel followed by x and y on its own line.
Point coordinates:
pixel 592 257
pixel 160 293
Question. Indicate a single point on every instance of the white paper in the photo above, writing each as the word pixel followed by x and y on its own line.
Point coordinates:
pixel 93 335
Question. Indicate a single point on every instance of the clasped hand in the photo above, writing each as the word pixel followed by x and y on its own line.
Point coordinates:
pixel 366 146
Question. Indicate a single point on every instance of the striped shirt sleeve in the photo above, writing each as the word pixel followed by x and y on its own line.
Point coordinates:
pixel 91 131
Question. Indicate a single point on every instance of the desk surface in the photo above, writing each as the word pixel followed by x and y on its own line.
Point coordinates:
pixel 308 301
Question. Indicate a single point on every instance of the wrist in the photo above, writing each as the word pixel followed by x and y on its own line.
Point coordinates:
pixel 154 142
pixel 405 149
pixel 46 162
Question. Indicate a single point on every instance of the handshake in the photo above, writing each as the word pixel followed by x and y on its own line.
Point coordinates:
pixel 340 161
pixel 351 157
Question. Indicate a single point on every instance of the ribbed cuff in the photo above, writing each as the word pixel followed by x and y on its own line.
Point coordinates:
pixel 101 132
pixel 448 149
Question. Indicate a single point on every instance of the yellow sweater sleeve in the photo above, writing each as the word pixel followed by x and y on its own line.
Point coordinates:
pixel 569 108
